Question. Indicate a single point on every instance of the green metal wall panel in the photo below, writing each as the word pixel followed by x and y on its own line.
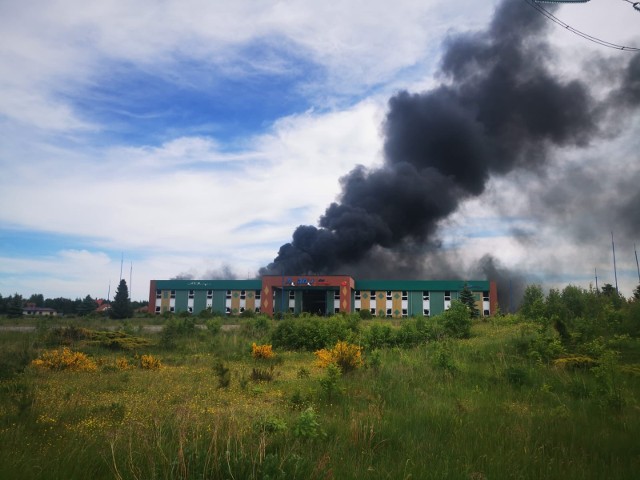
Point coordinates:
pixel 415 304
pixel 436 302
pixel 219 299
pixel 181 300
pixel 199 301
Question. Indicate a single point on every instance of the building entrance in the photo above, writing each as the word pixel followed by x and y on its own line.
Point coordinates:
pixel 314 301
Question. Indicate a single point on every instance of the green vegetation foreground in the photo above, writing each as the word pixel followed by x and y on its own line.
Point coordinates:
pixel 551 393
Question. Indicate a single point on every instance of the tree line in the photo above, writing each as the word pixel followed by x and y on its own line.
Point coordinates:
pixel 120 307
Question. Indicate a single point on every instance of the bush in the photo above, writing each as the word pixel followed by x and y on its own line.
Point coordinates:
pixel 149 362
pixel 312 333
pixel 456 320
pixel 64 359
pixel 307 425
pixel 345 355
pixel 262 351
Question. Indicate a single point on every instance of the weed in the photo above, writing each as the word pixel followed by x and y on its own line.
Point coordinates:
pixel 307 425
pixel 223 374
pixel 329 383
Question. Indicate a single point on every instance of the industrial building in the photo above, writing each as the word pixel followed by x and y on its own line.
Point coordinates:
pixel 317 294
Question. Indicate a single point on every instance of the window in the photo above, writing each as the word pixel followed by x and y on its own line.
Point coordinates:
pixel 425 295
pixel 228 311
pixel 172 309
pixel 373 311
pixel 405 295
pixel 173 294
pixel 158 293
pixel 291 310
pixel 241 309
pixel 243 294
pixel 190 309
pixel 228 294
pixel 357 294
pixel 447 295
pixel 404 312
pixel 336 295
pixel 485 296
pixel 357 309
pixel 157 309
pixel 425 312
pixel 257 294
pixel 292 295
pixel 336 310
pixel 209 293
pixel 388 295
pixel 191 293
pixel 388 312
pixel 257 309
pixel 486 313
pixel 372 294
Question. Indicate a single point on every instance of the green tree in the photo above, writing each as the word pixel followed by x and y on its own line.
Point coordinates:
pixel 636 293
pixel 14 306
pixel 532 306
pixel 87 306
pixel 37 299
pixel 121 306
pixel 467 297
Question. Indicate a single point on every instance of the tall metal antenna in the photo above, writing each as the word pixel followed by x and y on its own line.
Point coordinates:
pixel 615 272
pixel 637 265
pixel 596 271
pixel 121 260
pixel 109 292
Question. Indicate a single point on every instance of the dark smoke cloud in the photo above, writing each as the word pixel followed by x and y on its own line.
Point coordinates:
pixel 499 109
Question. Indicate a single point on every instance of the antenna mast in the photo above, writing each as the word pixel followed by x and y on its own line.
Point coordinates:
pixel 637 265
pixel 121 260
pixel 596 271
pixel 615 272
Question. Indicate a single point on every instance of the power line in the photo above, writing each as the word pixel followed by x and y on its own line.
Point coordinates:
pixel 575 31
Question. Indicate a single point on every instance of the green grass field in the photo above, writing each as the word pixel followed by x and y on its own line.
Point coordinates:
pixel 495 405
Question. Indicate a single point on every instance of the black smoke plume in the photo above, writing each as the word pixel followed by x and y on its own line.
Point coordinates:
pixel 499 108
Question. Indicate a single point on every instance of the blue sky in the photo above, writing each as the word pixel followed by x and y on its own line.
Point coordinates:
pixel 191 136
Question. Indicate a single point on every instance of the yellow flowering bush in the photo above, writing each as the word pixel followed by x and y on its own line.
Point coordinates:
pixel 64 359
pixel 123 364
pixel 149 362
pixel 262 351
pixel 346 355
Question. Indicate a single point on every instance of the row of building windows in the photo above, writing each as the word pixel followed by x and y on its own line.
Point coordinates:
pixel 243 294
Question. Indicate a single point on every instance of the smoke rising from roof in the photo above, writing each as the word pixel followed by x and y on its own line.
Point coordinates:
pixel 500 108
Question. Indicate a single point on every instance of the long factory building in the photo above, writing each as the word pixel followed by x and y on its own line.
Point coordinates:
pixel 317 294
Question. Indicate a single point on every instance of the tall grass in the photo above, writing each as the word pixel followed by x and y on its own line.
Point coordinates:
pixel 477 408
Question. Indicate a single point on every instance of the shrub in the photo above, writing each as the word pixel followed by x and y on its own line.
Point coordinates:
pixel 312 333
pixel 223 374
pixel 329 383
pixel 64 359
pixel 149 362
pixel 575 363
pixel 123 364
pixel 457 320
pixel 345 355
pixel 307 425
pixel 379 336
pixel 262 374
pixel 261 351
